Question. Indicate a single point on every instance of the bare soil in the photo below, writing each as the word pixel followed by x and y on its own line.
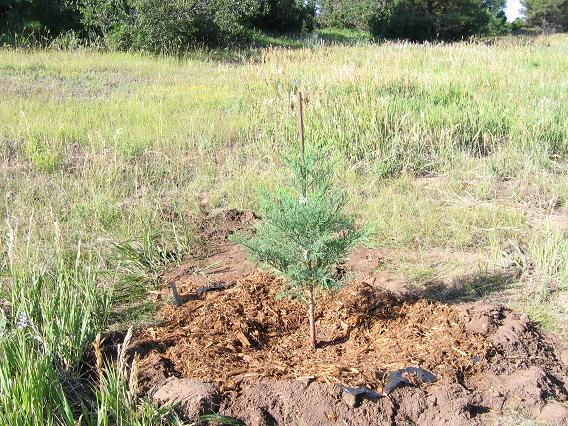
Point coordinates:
pixel 242 351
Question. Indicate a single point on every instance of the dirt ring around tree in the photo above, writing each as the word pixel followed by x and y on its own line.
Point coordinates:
pixel 241 351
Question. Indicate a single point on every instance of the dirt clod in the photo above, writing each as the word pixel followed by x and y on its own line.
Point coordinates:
pixel 564 357
pixel 190 397
pixel 352 400
pixel 554 413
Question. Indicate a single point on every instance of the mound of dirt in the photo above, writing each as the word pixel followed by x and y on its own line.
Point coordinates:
pixel 243 352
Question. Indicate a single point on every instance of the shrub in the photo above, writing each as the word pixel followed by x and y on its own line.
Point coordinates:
pixel 167 26
pixel 107 19
pixel 285 16
pixel 177 25
pixel 347 14
pixel 154 25
pixel 420 20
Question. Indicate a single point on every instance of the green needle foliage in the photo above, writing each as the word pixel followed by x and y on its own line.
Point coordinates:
pixel 304 232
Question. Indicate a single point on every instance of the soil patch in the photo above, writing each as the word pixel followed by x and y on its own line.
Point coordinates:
pixel 243 351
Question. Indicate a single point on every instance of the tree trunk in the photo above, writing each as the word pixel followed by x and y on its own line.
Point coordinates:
pixel 311 309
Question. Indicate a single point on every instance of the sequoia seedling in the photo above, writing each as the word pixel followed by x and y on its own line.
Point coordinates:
pixel 304 232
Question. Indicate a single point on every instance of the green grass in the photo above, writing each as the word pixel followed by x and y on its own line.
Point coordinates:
pixel 53 318
pixel 343 35
pixel 457 147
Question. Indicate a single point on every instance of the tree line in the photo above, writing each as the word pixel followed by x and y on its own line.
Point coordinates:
pixel 158 25
pixel 547 16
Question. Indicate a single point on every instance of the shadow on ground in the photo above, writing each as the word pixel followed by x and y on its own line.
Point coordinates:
pixel 494 286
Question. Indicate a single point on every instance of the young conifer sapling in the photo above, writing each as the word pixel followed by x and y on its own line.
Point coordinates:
pixel 304 233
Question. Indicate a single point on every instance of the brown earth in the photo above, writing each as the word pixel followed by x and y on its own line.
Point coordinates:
pixel 243 352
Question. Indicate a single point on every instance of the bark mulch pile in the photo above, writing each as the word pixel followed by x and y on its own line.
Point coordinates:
pixel 239 349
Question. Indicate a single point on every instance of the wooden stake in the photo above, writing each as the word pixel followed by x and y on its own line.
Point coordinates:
pixel 300 107
pixel 311 314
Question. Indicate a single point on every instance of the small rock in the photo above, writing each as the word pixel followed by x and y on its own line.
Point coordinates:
pixel 554 413
pixel 190 397
pixel 350 399
pixel 564 357
pixel 331 416
pixel 306 380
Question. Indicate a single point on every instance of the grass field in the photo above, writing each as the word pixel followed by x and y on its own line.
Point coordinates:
pixel 456 155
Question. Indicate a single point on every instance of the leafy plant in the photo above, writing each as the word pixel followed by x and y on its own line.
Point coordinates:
pixel 304 233
pixel 175 26
pixel 145 257
pixel 53 318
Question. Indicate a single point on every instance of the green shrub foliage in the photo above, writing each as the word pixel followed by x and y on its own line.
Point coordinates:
pixel 304 233
pixel 157 25
pixel 167 25
pixel 285 16
pixel 417 20
pixel 35 17
pixel 420 20
pixel 347 13
pixel 178 25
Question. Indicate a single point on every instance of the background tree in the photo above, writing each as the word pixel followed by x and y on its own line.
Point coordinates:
pixel 497 24
pixel 420 20
pixel 304 233
pixel 547 16
pixel 518 26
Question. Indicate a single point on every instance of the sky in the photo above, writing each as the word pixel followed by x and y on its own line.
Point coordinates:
pixel 513 9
